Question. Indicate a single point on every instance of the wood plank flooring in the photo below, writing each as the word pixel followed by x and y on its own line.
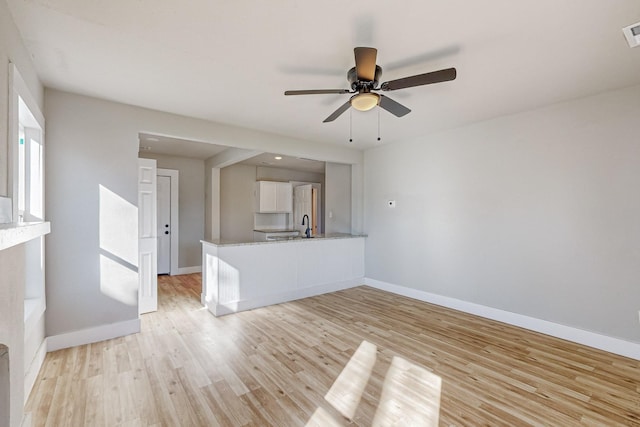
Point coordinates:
pixel 386 359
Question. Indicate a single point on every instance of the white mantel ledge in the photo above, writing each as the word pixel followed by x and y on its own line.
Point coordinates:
pixel 13 234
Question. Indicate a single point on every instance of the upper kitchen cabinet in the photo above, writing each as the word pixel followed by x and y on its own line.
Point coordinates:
pixel 274 197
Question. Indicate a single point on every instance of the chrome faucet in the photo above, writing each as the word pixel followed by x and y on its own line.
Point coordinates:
pixel 307 232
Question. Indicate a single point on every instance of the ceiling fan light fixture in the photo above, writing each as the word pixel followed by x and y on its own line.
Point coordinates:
pixel 365 101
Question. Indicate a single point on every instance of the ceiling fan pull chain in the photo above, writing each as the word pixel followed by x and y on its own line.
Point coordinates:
pixel 378 124
pixel 350 127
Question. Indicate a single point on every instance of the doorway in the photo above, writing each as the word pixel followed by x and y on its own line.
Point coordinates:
pixel 167 222
pixel 307 201
pixel 164 224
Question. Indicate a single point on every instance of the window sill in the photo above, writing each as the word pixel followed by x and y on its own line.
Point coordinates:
pixel 13 234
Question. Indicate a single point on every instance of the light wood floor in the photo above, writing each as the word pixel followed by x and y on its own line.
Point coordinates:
pixel 274 366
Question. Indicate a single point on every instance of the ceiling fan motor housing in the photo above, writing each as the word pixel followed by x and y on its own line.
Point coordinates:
pixel 364 85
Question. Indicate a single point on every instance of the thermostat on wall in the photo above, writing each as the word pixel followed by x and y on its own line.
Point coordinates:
pixel 632 33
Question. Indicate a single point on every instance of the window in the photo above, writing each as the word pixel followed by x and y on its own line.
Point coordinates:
pixel 27 179
pixel 21 172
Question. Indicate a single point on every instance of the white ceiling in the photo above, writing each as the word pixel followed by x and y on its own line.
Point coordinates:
pixel 230 62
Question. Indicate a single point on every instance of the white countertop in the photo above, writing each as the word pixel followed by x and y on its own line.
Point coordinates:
pixel 220 242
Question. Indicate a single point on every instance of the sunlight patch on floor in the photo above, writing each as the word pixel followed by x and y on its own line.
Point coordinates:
pixel 410 393
pixel 410 396
pixel 346 391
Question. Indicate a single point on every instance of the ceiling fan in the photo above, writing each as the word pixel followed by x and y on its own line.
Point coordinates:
pixel 364 78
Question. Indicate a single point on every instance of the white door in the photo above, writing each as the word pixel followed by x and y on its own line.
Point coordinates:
pixel 164 224
pixel 147 242
pixel 302 199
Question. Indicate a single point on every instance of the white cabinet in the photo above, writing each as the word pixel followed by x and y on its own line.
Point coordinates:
pixel 274 196
pixel 266 196
pixel 284 197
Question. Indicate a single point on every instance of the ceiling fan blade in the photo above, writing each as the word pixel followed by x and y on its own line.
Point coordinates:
pixel 393 107
pixel 316 91
pixel 344 107
pixel 365 63
pixel 420 79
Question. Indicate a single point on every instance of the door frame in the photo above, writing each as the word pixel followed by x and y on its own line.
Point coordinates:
pixel 175 219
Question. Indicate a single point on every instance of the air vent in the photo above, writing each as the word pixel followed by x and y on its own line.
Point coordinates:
pixel 632 33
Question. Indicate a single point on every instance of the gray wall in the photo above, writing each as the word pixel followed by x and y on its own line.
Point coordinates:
pixel 92 147
pixel 236 202
pixel 191 204
pixel 338 198
pixel 211 201
pixel 91 178
pixel 535 213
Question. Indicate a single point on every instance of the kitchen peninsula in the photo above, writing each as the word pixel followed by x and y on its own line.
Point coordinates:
pixel 238 276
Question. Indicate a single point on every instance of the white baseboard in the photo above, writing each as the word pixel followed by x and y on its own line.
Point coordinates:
pixel 591 339
pixel 189 270
pixel 91 335
pixel 263 301
pixel 34 369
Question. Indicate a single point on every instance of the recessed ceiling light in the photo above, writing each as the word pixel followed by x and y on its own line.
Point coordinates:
pixel 278 157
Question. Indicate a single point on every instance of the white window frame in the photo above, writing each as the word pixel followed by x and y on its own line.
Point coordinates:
pixel 24 111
